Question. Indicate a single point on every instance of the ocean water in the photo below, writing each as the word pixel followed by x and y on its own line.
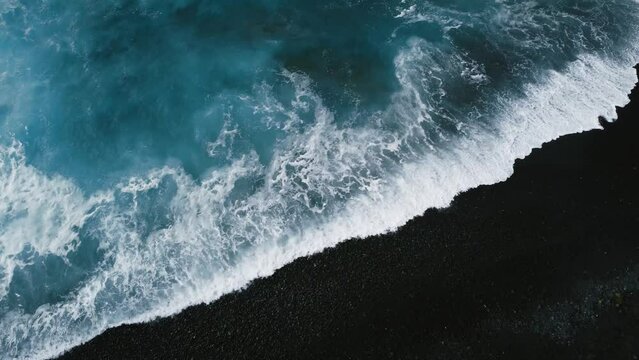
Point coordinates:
pixel 156 154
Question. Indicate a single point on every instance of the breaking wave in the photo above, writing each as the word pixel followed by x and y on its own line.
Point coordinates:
pixel 156 155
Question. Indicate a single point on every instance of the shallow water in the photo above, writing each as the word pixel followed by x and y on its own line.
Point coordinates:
pixel 156 154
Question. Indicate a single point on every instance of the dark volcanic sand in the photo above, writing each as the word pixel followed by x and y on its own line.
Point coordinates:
pixel 543 265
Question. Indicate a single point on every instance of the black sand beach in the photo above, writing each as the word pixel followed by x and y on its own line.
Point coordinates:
pixel 543 265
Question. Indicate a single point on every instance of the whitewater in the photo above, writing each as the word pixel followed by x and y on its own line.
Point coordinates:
pixel 160 154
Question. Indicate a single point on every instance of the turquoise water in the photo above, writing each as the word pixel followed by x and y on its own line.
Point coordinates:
pixel 155 154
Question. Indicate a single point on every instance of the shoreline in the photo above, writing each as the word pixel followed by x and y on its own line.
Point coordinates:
pixel 545 260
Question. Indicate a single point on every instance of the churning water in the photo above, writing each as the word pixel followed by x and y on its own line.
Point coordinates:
pixel 160 153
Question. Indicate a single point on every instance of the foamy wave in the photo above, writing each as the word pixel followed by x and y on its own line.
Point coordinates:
pixel 44 212
pixel 209 246
pixel 162 241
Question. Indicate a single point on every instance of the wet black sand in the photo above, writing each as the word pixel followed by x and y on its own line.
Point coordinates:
pixel 544 265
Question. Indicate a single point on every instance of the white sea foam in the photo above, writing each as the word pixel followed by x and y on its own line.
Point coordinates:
pixel 39 210
pixel 325 183
pixel 213 247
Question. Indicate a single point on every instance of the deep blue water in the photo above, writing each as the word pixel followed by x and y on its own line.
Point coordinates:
pixel 156 153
